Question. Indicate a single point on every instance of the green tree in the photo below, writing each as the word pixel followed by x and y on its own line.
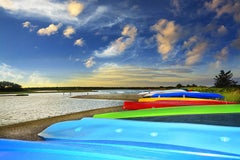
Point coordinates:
pixel 224 79
pixel 179 85
pixel 9 86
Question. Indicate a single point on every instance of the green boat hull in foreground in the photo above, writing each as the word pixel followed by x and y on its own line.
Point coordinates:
pixel 173 111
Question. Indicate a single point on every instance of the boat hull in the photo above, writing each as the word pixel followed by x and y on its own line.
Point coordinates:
pixel 133 105
pixel 92 130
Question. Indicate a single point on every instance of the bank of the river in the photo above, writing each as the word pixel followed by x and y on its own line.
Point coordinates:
pixel 29 130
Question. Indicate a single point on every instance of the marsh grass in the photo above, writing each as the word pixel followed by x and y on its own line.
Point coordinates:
pixel 230 94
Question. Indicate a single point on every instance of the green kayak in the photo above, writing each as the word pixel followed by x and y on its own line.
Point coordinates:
pixel 173 111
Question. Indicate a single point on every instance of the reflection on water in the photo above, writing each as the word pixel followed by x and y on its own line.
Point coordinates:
pixel 15 109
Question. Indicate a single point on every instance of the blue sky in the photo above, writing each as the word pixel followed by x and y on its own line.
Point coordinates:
pixel 115 43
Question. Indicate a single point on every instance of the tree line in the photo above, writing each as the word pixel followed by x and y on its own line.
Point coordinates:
pixel 6 86
pixel 222 80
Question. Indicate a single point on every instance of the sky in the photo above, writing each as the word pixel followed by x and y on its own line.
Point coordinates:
pixel 112 43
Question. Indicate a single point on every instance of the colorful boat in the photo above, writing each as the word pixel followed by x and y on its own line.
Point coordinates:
pixel 223 119
pixel 150 93
pixel 172 111
pixel 93 130
pixel 204 95
pixel 133 105
pixel 170 98
pixel 25 150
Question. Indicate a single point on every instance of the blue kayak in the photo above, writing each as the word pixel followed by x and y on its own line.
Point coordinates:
pixel 210 137
pixel 26 150
pixel 203 95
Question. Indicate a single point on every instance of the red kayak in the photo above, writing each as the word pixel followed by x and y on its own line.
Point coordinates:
pixel 133 105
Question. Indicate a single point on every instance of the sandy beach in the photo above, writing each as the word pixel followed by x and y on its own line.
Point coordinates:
pixel 29 130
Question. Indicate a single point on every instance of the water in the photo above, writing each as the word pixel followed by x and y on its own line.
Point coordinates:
pixel 15 109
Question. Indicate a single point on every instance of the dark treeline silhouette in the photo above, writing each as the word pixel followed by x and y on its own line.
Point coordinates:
pixel 224 80
pixel 9 86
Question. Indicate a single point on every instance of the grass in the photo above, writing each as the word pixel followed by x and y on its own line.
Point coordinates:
pixel 230 94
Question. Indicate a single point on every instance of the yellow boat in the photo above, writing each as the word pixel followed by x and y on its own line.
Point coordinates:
pixel 171 98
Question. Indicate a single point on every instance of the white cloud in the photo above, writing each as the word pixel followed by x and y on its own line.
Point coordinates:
pixel 8 73
pixel 75 8
pixel 50 30
pixel 92 16
pixel 90 62
pixel 79 42
pixel 118 46
pixel 33 79
pixel 7 4
pixel 167 36
pixel 194 55
pixel 54 10
pixel 190 42
pixel 28 24
pixel 225 7
pixel 214 4
pixel 37 80
pixel 68 31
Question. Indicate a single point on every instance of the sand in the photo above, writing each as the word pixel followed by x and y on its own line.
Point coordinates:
pixel 29 130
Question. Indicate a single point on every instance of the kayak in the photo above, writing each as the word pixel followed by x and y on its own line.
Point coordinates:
pixel 223 119
pixel 133 105
pixel 93 130
pixel 204 95
pixel 171 111
pixel 26 150
pixel 149 93
pixel 171 98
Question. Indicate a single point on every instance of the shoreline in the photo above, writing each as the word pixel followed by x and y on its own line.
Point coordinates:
pixel 29 130
pixel 130 97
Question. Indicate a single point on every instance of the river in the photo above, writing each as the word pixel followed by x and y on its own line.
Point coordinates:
pixel 16 109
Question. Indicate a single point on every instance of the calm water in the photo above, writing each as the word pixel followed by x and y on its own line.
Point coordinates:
pixel 15 109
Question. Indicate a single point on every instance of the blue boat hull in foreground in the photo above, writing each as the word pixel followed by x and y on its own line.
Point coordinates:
pixel 210 137
pixel 25 150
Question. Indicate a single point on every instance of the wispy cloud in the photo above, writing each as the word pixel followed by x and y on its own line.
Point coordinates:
pixel 176 7
pixel 52 10
pixel 195 54
pixel 89 15
pixel 221 56
pixel 90 62
pixel 222 30
pixel 118 46
pixel 7 4
pixel 36 79
pixel 50 30
pixel 236 42
pixel 69 31
pixel 222 7
pixel 33 79
pixel 8 73
pixel 190 42
pixel 75 8
pixel 112 74
pixel 28 25
pixel 167 36
pixel 79 42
